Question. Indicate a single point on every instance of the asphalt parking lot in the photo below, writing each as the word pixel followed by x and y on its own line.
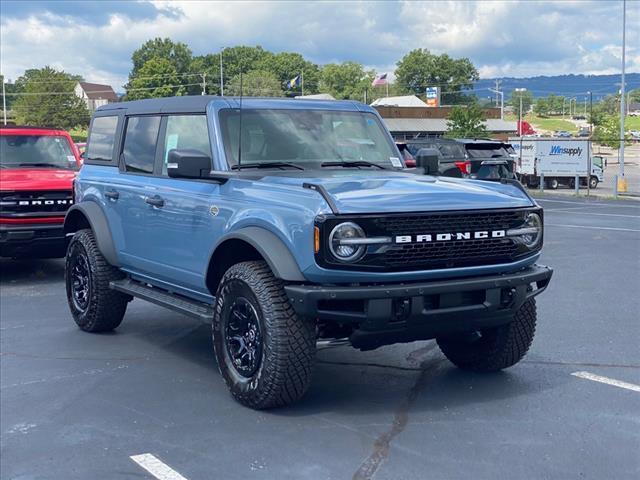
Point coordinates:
pixel 78 406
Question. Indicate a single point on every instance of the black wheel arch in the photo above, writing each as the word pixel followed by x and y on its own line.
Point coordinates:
pixel 90 215
pixel 251 243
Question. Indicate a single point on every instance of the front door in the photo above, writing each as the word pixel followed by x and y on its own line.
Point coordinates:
pixel 185 227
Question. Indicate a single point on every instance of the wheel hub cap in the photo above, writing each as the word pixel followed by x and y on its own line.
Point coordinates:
pixel 243 339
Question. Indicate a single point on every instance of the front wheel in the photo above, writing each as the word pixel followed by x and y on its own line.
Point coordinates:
pixel 593 182
pixel 265 353
pixel 496 348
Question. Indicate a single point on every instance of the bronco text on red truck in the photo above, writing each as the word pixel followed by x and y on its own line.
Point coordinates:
pixel 37 169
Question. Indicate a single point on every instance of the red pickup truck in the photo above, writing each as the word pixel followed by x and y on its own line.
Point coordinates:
pixel 37 169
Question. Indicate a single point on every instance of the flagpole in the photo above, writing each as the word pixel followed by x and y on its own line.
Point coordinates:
pixel 387 84
pixel 302 82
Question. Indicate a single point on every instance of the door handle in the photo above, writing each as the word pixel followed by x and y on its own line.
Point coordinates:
pixel 155 200
pixel 112 194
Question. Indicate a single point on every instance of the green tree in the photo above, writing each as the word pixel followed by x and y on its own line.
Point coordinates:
pixel 541 107
pixel 287 65
pixel 47 99
pixel 527 101
pixel 345 80
pixel 209 65
pixel 634 95
pixel 157 78
pixel 466 122
pixel 607 132
pixel 256 83
pixel 242 58
pixel 176 53
pixel 420 69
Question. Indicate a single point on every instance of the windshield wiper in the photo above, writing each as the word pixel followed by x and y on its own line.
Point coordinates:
pixel 266 165
pixel 41 164
pixel 353 163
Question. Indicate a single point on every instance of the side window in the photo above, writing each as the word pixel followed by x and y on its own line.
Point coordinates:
pixel 102 139
pixel 186 132
pixel 139 150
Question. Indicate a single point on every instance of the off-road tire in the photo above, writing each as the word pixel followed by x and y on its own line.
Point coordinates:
pixel 494 349
pixel 106 307
pixel 288 343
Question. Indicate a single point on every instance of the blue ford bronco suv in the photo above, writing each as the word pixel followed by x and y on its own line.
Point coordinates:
pixel 283 222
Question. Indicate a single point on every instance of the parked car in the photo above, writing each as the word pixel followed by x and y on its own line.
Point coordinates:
pixel 37 168
pixel 296 224
pixel 562 134
pixel 452 159
pixel 479 151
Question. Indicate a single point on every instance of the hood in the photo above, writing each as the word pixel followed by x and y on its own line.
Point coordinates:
pixel 394 192
pixel 36 179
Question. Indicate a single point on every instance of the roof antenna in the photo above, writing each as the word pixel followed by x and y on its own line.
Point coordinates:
pixel 240 124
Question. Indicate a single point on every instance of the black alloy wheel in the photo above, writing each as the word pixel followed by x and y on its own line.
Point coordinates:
pixel 80 280
pixel 243 337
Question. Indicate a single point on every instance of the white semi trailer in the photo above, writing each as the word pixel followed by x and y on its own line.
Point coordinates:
pixel 557 160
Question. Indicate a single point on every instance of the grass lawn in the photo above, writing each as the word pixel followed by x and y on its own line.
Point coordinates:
pixel 550 124
pixel 632 123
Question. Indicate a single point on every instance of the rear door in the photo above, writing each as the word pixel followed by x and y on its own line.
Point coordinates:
pixel 137 198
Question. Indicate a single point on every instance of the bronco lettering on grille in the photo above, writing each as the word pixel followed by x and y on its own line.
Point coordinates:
pixel 446 237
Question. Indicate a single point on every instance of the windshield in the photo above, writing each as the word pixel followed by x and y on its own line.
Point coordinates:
pixel 486 151
pixel 308 138
pixel 28 151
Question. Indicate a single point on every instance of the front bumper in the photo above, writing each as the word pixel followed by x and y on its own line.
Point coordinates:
pixel 37 240
pixel 405 312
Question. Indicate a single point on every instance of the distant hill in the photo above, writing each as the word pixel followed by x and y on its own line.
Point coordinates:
pixel 566 85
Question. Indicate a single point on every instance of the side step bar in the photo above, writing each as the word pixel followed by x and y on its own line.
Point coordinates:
pixel 172 301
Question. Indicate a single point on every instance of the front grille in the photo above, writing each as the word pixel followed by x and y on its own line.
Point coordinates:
pixel 433 254
pixel 26 204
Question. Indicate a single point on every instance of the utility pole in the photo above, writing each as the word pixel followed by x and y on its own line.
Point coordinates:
pixel 498 92
pixel 590 114
pixel 4 102
pixel 221 73
pixel 622 182
pixel 520 91
pixel 204 83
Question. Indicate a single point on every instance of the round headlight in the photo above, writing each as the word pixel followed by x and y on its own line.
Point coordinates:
pixel 533 223
pixel 343 242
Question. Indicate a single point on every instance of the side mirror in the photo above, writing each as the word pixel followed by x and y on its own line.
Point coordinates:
pixel 429 160
pixel 188 163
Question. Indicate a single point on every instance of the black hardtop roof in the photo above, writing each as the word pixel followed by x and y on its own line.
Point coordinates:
pixel 430 140
pixel 198 104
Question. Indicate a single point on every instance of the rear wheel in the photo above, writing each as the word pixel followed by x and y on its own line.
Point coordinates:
pixel 493 349
pixel 552 183
pixel 265 353
pixel 95 307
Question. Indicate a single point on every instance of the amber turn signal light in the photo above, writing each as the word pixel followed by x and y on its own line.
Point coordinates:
pixel 316 239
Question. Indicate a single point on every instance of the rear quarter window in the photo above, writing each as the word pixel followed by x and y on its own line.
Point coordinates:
pixel 102 139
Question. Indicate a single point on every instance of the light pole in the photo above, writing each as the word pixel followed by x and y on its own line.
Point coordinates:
pixel 520 91
pixel 4 103
pixel 501 101
pixel 221 74
pixel 590 114
pixel 622 182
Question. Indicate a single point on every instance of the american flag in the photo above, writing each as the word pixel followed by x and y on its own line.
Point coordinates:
pixel 380 79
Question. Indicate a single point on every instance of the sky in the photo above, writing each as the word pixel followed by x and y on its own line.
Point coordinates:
pixel 502 38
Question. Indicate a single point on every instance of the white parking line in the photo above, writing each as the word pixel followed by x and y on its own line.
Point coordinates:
pixel 591 227
pixel 155 467
pixel 608 381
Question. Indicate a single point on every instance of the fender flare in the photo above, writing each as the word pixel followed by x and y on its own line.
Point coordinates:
pixel 271 248
pixel 96 218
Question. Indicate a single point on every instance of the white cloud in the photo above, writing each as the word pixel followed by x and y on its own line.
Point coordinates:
pixel 501 37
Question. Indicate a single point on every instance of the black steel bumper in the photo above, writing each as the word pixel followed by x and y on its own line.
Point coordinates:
pixel 385 314
pixel 39 241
